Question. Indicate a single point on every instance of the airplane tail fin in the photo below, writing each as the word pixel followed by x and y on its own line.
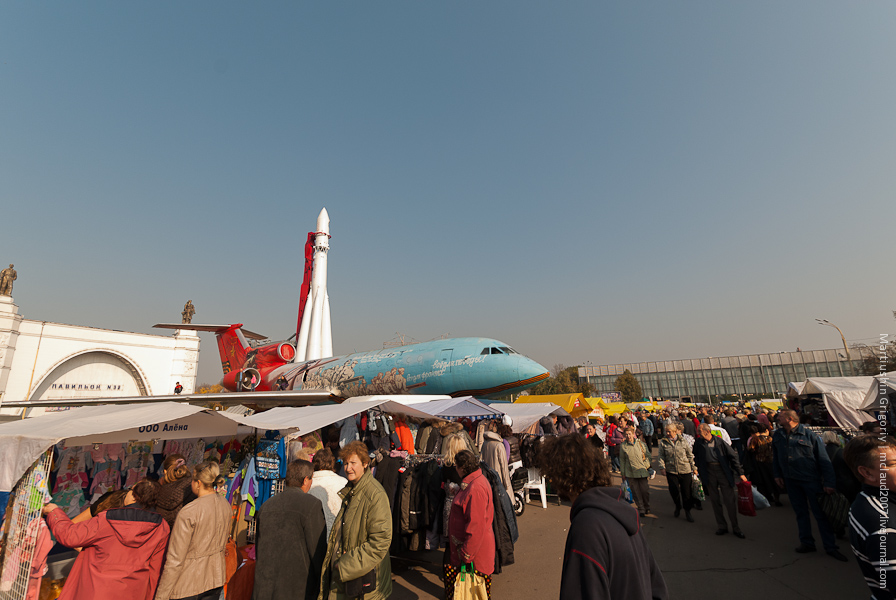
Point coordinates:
pixel 233 345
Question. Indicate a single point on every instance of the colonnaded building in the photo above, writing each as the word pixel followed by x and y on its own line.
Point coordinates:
pixel 42 360
pixel 704 379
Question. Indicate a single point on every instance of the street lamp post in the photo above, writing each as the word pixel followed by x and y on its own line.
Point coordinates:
pixel 845 347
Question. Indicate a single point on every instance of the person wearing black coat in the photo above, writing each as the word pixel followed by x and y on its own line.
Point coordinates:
pixel 606 554
pixel 292 540
pixel 717 466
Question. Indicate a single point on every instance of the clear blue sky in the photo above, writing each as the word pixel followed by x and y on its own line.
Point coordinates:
pixel 604 182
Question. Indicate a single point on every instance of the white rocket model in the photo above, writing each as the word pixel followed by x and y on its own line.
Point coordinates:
pixel 315 339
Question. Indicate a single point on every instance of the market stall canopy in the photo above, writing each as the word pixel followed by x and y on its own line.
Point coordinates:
pixel 795 389
pixel 458 408
pixel 612 408
pixel 525 414
pixel 843 397
pixel 880 395
pixel 771 404
pixel 406 399
pixel 305 419
pixel 22 442
pixel 574 404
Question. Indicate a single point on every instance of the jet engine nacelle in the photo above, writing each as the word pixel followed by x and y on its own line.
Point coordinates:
pixel 244 380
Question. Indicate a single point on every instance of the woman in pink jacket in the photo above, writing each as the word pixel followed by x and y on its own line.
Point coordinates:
pixel 470 537
pixel 123 548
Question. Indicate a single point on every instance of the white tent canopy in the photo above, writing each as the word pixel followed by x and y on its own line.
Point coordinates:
pixel 843 397
pixel 305 419
pixel 525 415
pixel 795 388
pixel 877 396
pixel 22 442
pixel 456 408
pixel 405 399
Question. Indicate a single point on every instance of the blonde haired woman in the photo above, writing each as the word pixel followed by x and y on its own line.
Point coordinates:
pixel 451 479
pixel 194 568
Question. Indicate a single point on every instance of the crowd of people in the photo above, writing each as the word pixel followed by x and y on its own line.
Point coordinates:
pixel 329 532
pixel 708 451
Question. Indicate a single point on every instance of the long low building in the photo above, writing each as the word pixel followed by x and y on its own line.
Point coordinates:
pixel 42 360
pixel 704 379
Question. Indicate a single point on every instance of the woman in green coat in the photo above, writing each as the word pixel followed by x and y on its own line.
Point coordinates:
pixel 361 535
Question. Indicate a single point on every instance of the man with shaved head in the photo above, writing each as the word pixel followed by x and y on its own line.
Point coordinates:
pixel 801 466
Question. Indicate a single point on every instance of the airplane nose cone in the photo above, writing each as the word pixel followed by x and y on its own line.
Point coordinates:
pixel 530 372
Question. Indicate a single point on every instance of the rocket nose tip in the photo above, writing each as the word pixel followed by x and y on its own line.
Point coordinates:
pixel 323 221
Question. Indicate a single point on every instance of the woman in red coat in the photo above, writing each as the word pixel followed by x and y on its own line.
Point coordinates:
pixel 471 540
pixel 123 548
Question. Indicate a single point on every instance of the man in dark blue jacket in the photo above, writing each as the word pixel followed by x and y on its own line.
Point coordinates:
pixel 801 465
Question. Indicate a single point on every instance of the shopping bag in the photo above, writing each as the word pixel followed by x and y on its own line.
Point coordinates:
pixel 697 489
pixel 627 492
pixel 759 500
pixel 836 508
pixel 469 585
pixel 745 504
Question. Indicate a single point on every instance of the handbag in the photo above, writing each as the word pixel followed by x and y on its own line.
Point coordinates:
pixel 745 504
pixel 697 489
pixel 627 492
pixel 366 583
pixel 759 500
pixel 469 586
pixel 836 508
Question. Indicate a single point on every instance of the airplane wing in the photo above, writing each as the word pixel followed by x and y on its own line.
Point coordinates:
pixel 260 399
pixel 209 328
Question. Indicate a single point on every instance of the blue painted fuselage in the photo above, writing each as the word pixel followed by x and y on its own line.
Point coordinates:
pixel 480 367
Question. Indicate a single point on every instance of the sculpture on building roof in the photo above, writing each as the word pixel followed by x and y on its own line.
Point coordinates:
pixel 7 276
pixel 189 311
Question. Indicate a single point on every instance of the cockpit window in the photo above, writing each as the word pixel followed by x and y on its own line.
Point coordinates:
pixel 508 350
pixel 496 351
pixel 484 351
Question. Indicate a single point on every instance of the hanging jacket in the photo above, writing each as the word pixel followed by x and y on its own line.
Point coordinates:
pixel 422 438
pixel 405 437
pixel 493 455
pixel 122 555
pixel 504 523
pixel 514 454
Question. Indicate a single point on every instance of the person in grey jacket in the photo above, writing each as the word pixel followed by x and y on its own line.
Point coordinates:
pixel 494 455
pixel 676 462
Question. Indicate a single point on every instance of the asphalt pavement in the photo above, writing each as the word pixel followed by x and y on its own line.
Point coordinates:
pixel 695 562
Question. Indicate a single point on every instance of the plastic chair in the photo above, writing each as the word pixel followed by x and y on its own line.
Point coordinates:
pixel 536 482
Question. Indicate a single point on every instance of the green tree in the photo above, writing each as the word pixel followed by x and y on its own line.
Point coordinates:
pixel 563 380
pixel 629 387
